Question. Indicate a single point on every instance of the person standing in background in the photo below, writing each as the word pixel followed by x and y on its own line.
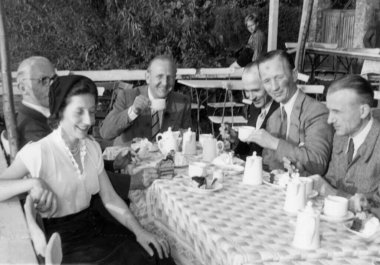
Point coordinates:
pixel 256 46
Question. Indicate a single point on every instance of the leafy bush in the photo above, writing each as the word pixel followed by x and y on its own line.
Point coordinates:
pixel 119 34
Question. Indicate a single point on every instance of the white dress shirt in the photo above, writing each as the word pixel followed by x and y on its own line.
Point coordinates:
pixel 288 107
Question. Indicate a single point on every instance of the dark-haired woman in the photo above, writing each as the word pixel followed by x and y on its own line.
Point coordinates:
pixel 66 172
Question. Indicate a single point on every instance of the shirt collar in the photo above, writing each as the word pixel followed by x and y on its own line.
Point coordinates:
pixel 267 107
pixel 288 106
pixel 44 111
pixel 360 137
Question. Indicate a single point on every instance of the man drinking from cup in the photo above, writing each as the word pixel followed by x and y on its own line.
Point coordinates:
pixel 147 110
pixel 297 131
pixel 354 169
pixel 261 106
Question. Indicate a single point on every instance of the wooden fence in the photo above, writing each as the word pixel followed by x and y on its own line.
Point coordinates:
pixel 338 27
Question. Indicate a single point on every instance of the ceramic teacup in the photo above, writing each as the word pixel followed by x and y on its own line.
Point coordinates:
pixel 158 104
pixel 197 169
pixel 245 132
pixel 335 206
pixel 309 185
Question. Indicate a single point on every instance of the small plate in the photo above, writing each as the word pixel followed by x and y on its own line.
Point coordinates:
pixel 230 168
pixel 347 226
pixel 332 219
pixel 217 187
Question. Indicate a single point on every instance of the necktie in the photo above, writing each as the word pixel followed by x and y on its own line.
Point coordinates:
pixel 350 151
pixel 155 125
pixel 284 124
pixel 261 118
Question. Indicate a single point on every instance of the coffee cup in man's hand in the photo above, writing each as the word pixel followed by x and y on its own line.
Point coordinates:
pixel 140 104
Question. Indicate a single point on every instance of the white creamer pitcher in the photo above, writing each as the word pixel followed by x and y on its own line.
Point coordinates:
pixel 295 195
pixel 167 141
pixel 253 171
pixel 189 143
pixel 211 148
pixel 307 235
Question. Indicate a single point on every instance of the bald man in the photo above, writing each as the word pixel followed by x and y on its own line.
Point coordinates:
pixel 132 115
pixel 260 109
pixel 34 77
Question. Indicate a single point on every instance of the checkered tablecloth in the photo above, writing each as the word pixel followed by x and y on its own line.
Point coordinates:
pixel 246 225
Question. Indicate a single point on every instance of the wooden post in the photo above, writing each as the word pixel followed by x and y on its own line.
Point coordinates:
pixel 8 104
pixel 303 32
pixel 273 25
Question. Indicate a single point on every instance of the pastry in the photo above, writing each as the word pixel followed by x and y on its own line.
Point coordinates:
pixel 165 167
pixel 199 182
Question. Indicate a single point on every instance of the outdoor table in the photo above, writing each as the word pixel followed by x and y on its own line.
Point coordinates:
pixel 15 241
pixel 345 56
pixel 243 224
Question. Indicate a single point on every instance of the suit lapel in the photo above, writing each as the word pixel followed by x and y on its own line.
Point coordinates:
pixel 367 148
pixel 253 115
pixel 272 108
pixel 294 131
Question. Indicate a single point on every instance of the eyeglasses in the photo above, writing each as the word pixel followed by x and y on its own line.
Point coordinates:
pixel 45 80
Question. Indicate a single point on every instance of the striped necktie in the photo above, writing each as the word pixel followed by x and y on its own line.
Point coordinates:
pixel 155 125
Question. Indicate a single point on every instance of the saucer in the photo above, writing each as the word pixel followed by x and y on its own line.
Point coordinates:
pixel 334 219
pixel 347 226
pixel 188 185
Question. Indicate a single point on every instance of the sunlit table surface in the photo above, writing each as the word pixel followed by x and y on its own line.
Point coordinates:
pixel 15 242
pixel 243 224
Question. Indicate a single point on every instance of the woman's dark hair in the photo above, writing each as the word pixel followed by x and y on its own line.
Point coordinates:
pixel 357 84
pixel 65 87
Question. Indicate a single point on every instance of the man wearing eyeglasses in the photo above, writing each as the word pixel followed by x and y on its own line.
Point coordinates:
pixel 34 77
pixel 261 106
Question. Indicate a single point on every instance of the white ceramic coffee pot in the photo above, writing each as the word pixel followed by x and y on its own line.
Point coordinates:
pixel 167 141
pixel 307 235
pixel 189 143
pixel 211 148
pixel 295 194
pixel 253 171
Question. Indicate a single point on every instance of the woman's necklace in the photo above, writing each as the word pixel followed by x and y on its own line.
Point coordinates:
pixel 75 149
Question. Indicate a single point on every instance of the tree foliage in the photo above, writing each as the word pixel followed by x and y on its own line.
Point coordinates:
pixel 112 34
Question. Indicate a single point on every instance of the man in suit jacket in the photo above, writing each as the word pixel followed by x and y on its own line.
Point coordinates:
pixel 131 115
pixel 34 77
pixel 355 163
pixel 261 108
pixel 297 132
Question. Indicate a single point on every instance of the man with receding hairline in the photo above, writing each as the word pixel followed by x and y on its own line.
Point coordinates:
pixel 297 132
pixel 260 109
pixel 355 163
pixel 34 77
pixel 132 115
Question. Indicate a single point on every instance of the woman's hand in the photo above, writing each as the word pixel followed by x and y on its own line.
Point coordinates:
pixel 146 238
pixel 43 197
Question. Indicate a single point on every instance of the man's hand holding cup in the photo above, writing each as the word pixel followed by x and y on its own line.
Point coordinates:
pixel 227 133
pixel 140 104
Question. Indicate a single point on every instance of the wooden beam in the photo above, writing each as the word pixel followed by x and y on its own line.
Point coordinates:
pixel 273 24
pixel 8 104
